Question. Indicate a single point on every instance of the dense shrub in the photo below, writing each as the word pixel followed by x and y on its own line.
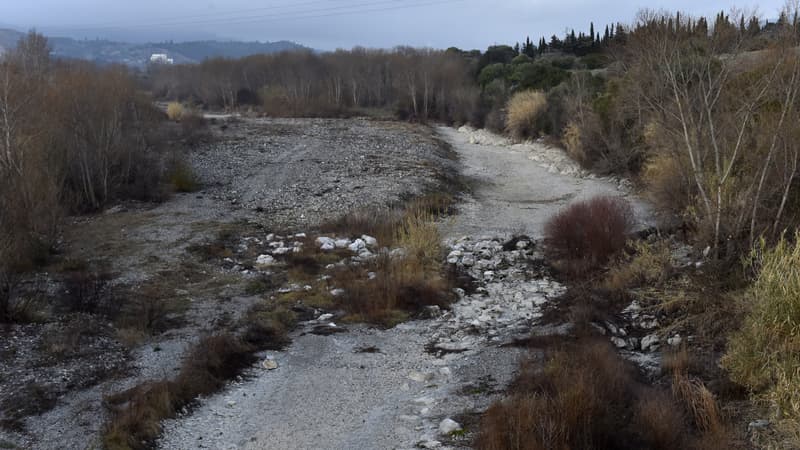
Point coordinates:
pixel 523 113
pixel 764 355
pixel 588 233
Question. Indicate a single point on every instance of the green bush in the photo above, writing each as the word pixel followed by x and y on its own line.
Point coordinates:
pixel 539 75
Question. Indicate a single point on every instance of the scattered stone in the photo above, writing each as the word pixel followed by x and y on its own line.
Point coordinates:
pixel 420 377
pixel 448 426
pixel 453 257
pixel 675 340
pixel 369 240
pixel 758 424
pixel 325 243
pixel 649 342
pixel 325 317
pixel 619 342
pixel 426 401
pixel 342 243
pixel 265 260
pixel 357 246
pixel 468 260
pixel 432 312
pixel 337 292
pixel 430 444
pixel 269 364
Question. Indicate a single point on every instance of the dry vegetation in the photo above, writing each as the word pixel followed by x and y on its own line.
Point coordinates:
pixel 587 397
pixel 586 234
pixel 763 355
pixel 76 138
pixel 139 412
pixel 524 110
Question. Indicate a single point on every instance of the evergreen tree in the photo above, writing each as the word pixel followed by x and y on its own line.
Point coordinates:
pixel 591 31
pixel 620 35
pixel 516 48
pixel 606 36
pixel 754 27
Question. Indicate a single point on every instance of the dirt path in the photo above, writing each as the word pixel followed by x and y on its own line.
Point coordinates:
pixel 328 394
pixel 518 187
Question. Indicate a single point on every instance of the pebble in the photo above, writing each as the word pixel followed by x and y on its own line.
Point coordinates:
pixel 269 364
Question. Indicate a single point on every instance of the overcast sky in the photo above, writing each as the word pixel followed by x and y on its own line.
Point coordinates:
pixel 330 24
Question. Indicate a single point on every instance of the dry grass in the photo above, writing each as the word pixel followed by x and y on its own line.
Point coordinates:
pixel 402 284
pixel 523 112
pixel 267 326
pixel 765 354
pixel 584 235
pixel 573 143
pixel 649 265
pixel 175 111
pixel 136 421
pixel 587 397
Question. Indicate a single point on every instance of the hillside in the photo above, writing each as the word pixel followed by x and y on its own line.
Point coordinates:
pixel 137 55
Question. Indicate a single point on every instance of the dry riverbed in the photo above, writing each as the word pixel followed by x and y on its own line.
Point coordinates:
pixel 422 383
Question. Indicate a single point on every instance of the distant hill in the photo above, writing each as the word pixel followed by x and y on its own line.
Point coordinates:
pixel 8 39
pixel 138 55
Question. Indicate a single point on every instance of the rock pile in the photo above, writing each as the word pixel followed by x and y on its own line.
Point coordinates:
pixel 509 301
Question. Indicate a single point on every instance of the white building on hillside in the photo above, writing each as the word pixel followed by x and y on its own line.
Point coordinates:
pixel 160 58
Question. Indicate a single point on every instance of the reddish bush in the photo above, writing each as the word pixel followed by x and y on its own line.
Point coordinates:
pixel 591 231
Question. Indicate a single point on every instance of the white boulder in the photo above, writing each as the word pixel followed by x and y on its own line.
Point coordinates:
pixel 448 426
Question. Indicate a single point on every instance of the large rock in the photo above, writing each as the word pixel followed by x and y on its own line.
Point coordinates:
pixel 448 426
pixel 265 260
pixel 357 246
pixel 325 243
pixel 650 342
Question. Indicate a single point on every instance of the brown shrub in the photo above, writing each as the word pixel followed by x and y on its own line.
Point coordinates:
pixel 660 420
pixel 586 234
pixel 136 423
pixel 585 396
pixel 86 291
